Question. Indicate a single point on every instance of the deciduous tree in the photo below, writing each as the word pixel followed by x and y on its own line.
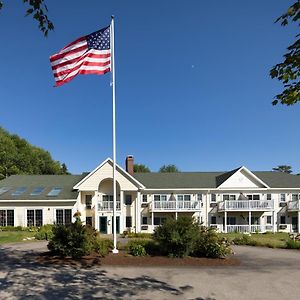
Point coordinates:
pixel 288 71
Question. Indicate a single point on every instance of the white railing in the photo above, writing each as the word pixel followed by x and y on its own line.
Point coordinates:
pixel 108 205
pixel 176 205
pixel 293 205
pixel 246 205
pixel 247 228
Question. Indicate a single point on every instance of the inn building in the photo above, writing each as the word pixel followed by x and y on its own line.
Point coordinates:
pixel 239 200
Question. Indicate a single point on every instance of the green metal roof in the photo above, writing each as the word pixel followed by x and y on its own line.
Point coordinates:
pixel 211 180
pixel 31 182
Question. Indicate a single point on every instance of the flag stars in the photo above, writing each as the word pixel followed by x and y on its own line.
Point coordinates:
pixel 99 40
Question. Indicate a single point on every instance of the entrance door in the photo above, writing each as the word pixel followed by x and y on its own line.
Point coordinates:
pixel 118 224
pixel 103 225
pixel 295 224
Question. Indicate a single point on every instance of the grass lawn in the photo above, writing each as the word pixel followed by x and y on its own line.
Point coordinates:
pixel 271 240
pixel 14 236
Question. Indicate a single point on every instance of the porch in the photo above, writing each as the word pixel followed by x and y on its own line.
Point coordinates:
pixel 293 205
pixel 175 205
pixel 246 205
pixel 108 205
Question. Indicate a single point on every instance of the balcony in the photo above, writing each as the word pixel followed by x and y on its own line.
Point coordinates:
pixel 175 206
pixel 246 205
pixel 293 205
pixel 249 228
pixel 108 205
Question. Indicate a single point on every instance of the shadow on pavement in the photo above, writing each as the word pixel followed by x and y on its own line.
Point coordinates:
pixel 22 277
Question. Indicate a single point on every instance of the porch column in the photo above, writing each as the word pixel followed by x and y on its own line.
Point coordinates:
pixel 299 219
pixel 95 200
pixel 225 221
pixel 249 221
pixel 273 221
pixel 137 213
pixel 176 215
pixel 122 212
pixel 152 220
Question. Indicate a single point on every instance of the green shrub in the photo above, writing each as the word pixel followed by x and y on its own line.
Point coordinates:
pixel 243 239
pixel 103 246
pixel 292 244
pixel 177 238
pixel 137 250
pixel 210 244
pixel 12 228
pixel 75 240
pixel 45 232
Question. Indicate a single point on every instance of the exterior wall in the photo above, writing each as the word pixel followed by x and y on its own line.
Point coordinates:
pixel 48 210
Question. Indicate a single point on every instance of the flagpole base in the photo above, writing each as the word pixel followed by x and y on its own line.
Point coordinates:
pixel 115 251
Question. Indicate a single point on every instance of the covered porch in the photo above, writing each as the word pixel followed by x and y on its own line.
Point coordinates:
pixel 245 222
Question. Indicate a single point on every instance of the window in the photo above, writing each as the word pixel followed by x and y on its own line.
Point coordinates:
pixel 159 220
pixel 199 197
pixel 37 191
pixel 128 221
pixel 107 197
pixel 34 217
pixel 282 219
pixel 184 197
pixel 54 192
pixel 7 217
pixel 269 196
pixel 253 197
pixel 19 191
pixel 144 220
pixel 282 197
pixel 145 198
pixel 295 197
pixel 213 197
pixel 230 221
pixel 160 197
pixel 269 219
pixel 63 216
pixel 3 190
pixel 213 220
pixel 89 221
pixel 229 197
pixel 128 200
pixel 88 201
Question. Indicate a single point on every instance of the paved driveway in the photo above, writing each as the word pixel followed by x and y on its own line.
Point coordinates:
pixel 263 274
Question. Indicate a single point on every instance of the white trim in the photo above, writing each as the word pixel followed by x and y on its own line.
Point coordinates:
pixel 108 160
pixel 243 168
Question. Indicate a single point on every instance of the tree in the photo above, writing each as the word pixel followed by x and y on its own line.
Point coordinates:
pixel 288 71
pixel 17 156
pixel 139 168
pixel 64 169
pixel 38 9
pixel 168 169
pixel 283 168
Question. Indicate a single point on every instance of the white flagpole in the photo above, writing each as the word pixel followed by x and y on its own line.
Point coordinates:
pixel 112 42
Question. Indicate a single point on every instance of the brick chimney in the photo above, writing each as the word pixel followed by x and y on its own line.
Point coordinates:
pixel 129 164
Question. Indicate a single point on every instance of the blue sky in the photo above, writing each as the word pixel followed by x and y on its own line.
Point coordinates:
pixel 192 85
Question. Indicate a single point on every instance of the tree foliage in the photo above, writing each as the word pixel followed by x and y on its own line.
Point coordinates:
pixel 139 168
pixel 283 168
pixel 168 169
pixel 17 156
pixel 38 10
pixel 288 71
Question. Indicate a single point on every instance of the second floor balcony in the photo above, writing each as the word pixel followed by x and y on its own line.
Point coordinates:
pixel 293 205
pixel 108 205
pixel 246 205
pixel 175 206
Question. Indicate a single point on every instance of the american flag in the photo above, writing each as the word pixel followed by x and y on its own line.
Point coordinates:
pixel 89 54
